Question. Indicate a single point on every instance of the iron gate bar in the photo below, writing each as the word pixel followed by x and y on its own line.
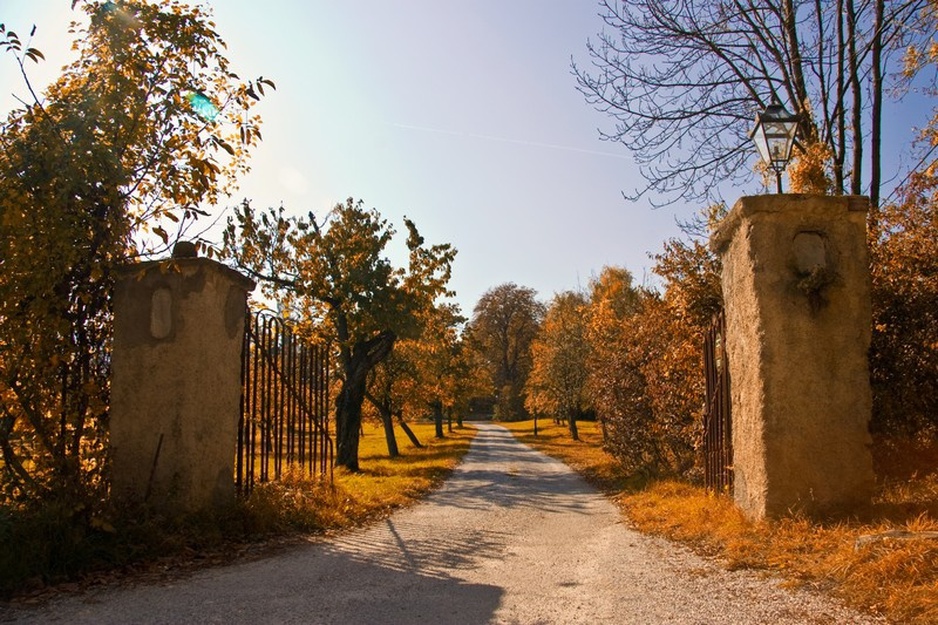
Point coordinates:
pixel 285 404
pixel 718 438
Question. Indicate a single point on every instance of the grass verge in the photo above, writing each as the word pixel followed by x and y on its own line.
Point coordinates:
pixel 62 546
pixel 893 577
pixel 382 486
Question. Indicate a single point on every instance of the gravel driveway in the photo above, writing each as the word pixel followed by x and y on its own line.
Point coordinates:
pixel 512 537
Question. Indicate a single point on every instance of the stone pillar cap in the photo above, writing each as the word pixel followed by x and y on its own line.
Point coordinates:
pixel 750 205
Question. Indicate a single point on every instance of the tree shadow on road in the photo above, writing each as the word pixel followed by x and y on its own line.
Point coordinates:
pixel 407 546
pixel 312 584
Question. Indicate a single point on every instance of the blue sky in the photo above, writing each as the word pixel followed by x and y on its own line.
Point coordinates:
pixel 463 116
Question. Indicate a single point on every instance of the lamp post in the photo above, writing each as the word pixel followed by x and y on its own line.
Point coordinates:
pixel 774 136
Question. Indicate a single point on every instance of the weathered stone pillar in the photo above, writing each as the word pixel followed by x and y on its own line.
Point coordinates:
pixel 796 289
pixel 176 382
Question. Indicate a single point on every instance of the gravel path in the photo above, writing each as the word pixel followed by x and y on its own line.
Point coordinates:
pixel 512 537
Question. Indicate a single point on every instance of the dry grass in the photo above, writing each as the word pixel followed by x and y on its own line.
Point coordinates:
pixel 893 577
pixel 382 486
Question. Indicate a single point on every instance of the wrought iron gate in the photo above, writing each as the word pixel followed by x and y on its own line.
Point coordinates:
pixel 718 429
pixel 284 405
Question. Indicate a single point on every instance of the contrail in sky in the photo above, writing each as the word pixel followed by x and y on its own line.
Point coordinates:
pixel 536 144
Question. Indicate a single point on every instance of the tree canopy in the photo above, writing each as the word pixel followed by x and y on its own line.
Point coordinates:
pixel 644 366
pixel 332 275
pixel 504 323
pixel 557 383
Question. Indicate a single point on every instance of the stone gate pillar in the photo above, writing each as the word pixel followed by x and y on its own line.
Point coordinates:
pixel 796 290
pixel 176 382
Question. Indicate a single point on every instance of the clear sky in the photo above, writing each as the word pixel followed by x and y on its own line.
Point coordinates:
pixel 461 115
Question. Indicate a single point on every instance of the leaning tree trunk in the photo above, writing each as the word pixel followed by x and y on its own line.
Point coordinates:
pixel 357 362
pixel 384 413
pixel 409 432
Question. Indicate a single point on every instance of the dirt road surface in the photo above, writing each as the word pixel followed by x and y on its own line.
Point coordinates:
pixel 513 537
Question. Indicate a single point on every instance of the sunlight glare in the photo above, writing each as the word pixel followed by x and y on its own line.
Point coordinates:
pixel 203 106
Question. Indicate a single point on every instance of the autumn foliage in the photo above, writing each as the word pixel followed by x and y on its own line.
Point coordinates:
pixel 645 365
pixel 504 323
pixel 113 153
pixel 631 356
pixel 904 351
pixel 556 384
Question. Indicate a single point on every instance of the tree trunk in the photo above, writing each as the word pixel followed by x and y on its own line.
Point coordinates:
pixel 393 451
pixel 856 118
pixel 409 432
pixel 348 421
pixel 574 432
pixel 840 151
pixel 790 19
pixel 357 362
pixel 438 419
pixel 876 114
pixel 384 412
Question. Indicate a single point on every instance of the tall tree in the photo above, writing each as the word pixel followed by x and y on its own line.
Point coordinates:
pixel 335 271
pixel 148 123
pixel 612 299
pixel 437 359
pixel 504 323
pixel 682 82
pixel 557 383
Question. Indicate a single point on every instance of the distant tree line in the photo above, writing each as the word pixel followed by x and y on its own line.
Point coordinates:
pixel 626 355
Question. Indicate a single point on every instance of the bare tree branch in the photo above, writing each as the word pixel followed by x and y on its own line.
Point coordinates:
pixel 681 82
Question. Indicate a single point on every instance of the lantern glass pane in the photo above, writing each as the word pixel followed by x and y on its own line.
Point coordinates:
pixel 774 136
pixel 761 145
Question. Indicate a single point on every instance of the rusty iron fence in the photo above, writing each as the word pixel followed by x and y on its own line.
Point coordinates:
pixel 284 405
pixel 718 425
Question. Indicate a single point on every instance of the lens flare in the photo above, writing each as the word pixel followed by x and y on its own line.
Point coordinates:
pixel 202 106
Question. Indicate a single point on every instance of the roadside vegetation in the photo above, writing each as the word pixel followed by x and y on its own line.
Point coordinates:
pixel 45 548
pixel 896 578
